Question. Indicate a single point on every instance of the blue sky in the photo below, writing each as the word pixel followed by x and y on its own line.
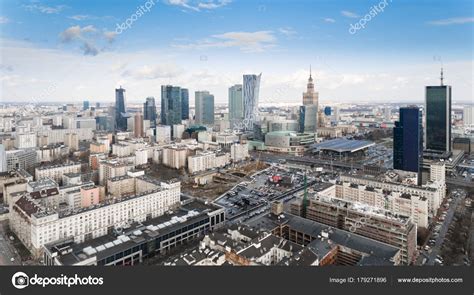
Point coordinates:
pixel 71 50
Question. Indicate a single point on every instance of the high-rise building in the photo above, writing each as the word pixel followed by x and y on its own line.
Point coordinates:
pixel 310 96
pixel 120 111
pixel 468 115
pixel 3 159
pixel 138 126
pixel 308 118
pixel 204 106
pixel 236 105
pixel 171 106
pixel 97 105
pixel 184 104
pixel 327 111
pixel 149 111
pixel 85 105
pixel 438 117
pixel 408 141
pixel 251 89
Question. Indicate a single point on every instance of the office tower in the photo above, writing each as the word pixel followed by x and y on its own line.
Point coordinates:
pixel 171 107
pixel 408 141
pixel 387 113
pixel 308 118
pixel 310 96
pixel 438 117
pixel 138 126
pixel 184 104
pixel 97 105
pixel 85 105
pixel 468 115
pixel 327 111
pixel 251 88
pixel 120 112
pixel 204 106
pixel 3 159
pixel 236 105
pixel 149 111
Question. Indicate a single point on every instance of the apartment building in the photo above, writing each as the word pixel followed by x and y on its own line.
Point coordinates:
pixel 56 172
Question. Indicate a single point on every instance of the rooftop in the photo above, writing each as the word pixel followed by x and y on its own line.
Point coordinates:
pixel 341 145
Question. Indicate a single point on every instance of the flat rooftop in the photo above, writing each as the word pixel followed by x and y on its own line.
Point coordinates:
pixel 342 145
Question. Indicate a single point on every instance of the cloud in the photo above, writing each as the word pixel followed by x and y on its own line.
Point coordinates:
pixel 246 41
pixel 154 72
pixel 349 14
pixel 79 17
pixel 199 5
pixel 452 21
pixel 86 36
pixel 329 20
pixel 45 9
pixel 287 31
pixel 4 20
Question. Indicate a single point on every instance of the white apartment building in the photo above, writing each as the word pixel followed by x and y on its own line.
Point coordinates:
pixel 121 150
pixel 163 134
pixel 226 139
pixel 433 192
pixel 56 172
pixel 438 172
pixel 141 157
pixel 175 156
pixel 112 169
pixel 36 225
pixel 72 141
pixel 239 152
pixel 178 131
pixel 25 140
pixel 404 204
pixel 57 135
pixel 202 161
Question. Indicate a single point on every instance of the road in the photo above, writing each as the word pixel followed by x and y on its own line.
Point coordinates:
pixel 435 250
pixel 7 251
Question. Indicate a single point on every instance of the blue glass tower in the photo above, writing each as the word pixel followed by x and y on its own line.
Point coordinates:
pixel 408 141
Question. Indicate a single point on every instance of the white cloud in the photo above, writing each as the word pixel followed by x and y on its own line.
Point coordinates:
pixel 79 17
pixel 287 31
pixel 329 20
pixel 452 21
pixel 246 41
pixel 349 14
pixel 86 36
pixel 199 5
pixel 45 9
pixel 4 20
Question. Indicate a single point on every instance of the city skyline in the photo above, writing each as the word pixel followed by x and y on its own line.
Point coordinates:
pixel 86 49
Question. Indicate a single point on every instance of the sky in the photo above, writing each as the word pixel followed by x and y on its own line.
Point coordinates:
pixel 359 51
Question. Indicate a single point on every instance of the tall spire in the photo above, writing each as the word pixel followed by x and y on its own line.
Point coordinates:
pixel 310 71
pixel 442 77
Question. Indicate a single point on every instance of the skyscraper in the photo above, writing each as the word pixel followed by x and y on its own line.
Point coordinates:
pixel 308 118
pixel 138 125
pixel 408 141
pixel 204 105
pixel 120 112
pixel 438 117
pixel 85 105
pixel 236 105
pixel 251 88
pixel 184 104
pixel 171 107
pixel 310 96
pixel 149 111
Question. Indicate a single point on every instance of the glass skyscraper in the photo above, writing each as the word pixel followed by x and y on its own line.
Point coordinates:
pixel 120 112
pixel 408 141
pixel 308 118
pixel 149 111
pixel 85 105
pixel 236 105
pixel 204 105
pixel 251 88
pixel 171 107
pixel 184 104
pixel 438 118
